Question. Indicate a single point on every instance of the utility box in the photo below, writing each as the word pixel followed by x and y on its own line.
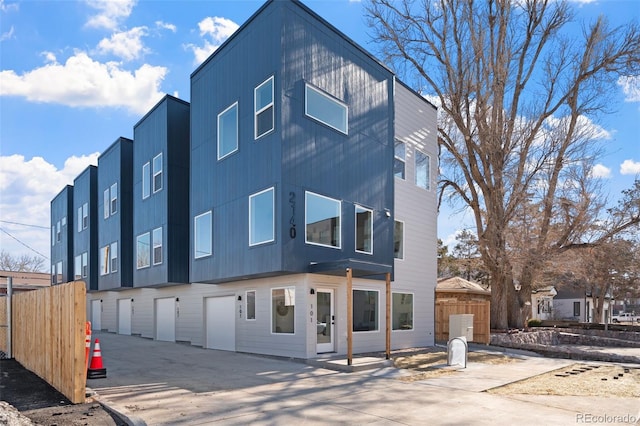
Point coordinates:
pixel 461 325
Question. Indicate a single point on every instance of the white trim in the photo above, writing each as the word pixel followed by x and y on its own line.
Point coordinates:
pixel 153 245
pixel 358 206
pixel 415 169
pixel 195 233
pixel 137 251
pixel 106 204
pixel 339 246
pixel 233 105
pixel 273 210
pixel 113 198
pixel 264 108
pixel 146 175
pixel 332 99
pixel 154 174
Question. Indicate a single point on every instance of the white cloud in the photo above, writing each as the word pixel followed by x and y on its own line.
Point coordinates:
pixel 215 30
pixel 27 188
pixel 7 35
pixel 110 13
pixel 126 45
pixel 83 82
pixel 4 7
pixel 166 26
pixel 600 171
pixel 630 87
pixel 630 167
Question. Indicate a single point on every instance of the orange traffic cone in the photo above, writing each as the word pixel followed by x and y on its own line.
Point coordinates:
pixel 96 370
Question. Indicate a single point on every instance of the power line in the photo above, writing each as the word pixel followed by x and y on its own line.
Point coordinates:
pixel 24 224
pixel 24 244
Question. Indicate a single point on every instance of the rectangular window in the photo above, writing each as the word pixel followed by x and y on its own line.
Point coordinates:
pixel 114 198
pixel 105 203
pixel 364 230
pixel 143 251
pixel 85 264
pixel 80 219
pixel 77 268
pixel 576 309
pixel 146 181
pixel 59 273
pixel 365 310
pixel 326 109
pixel 53 235
pixel 53 273
pixel 157 173
pixel 263 108
pixel 85 216
pixel 114 257
pixel 398 240
pixel 322 220
pixel 58 232
pixel 104 260
pixel 228 131
pixel 157 246
pixel 399 159
pixel 261 217
pixel 422 170
pixel 202 235
pixel 250 304
pixel 283 306
pixel 402 311
pixel 64 221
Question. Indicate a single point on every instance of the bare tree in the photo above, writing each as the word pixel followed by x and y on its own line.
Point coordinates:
pixel 23 263
pixel 519 100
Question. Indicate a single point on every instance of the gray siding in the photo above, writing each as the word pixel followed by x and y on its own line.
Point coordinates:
pixel 86 241
pixel 62 250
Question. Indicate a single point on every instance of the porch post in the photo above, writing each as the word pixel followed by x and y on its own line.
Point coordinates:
pixel 349 317
pixel 388 314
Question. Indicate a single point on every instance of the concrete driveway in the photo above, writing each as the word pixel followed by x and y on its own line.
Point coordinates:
pixel 160 383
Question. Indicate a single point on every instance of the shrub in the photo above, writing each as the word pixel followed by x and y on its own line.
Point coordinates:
pixel 534 323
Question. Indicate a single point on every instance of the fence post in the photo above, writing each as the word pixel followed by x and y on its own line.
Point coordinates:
pixel 9 316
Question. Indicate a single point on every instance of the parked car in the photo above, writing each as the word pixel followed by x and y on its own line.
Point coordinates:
pixel 625 317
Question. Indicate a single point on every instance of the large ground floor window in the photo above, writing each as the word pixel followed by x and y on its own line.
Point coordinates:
pixel 365 310
pixel 402 311
pixel 283 307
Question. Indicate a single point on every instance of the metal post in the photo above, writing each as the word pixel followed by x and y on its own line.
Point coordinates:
pixel 349 317
pixel 388 315
pixel 9 316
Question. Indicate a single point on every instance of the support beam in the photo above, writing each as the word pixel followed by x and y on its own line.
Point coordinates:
pixel 349 316
pixel 388 314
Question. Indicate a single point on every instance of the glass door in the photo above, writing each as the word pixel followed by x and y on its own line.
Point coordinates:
pixel 325 321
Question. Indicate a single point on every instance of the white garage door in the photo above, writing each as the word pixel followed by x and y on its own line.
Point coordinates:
pixel 166 319
pixel 124 316
pixel 96 315
pixel 220 323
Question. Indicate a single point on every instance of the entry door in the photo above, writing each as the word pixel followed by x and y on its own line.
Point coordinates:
pixel 124 316
pixel 166 319
pixel 325 321
pixel 220 323
pixel 96 315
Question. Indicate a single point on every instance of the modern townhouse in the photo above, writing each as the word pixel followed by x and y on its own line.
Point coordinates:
pixel 62 237
pixel 85 234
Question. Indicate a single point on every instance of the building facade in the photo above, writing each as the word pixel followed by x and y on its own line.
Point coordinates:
pixel 275 206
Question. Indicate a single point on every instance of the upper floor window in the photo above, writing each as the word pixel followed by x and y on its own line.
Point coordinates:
pixel 104 260
pixel 399 159
pixel 326 109
pixel 64 221
pixel 83 217
pixel 146 182
pixel 157 173
pixel 157 246
pixel 422 170
pixel 53 235
pixel 398 240
pixel 85 264
pixel 105 203
pixel 53 273
pixel 143 251
pixel 263 108
pixel 114 198
pixel 59 273
pixel 364 230
pixel 77 267
pixel 261 217
pixel 114 257
pixel 58 232
pixel 228 131
pixel 322 220
pixel 202 235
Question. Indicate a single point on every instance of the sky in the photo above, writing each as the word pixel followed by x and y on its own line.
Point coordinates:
pixel 75 75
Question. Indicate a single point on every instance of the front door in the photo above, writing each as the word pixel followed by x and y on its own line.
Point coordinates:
pixel 325 321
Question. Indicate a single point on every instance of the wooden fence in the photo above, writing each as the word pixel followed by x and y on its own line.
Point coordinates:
pixel 480 311
pixel 49 336
pixel 3 324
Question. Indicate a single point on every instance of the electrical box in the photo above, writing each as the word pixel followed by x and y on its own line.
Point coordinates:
pixel 461 325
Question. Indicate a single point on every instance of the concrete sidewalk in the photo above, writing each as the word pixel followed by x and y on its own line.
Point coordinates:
pixel 160 383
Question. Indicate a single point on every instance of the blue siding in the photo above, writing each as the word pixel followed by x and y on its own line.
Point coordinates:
pixel 85 191
pixel 62 251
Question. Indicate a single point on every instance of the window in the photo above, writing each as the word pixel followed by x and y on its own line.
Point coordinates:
pixel 261 220
pixel 104 260
pixel 325 109
pixel 58 232
pixel 399 159
pixel 157 173
pixel 157 246
pixel 422 170
pixel 53 235
pixel 143 251
pixel 64 221
pixel 59 273
pixel 228 131
pixel 263 108
pixel 365 310
pixel 202 237
pixel 364 230
pixel 80 219
pixel 53 273
pixel 114 198
pixel 322 220
pixel 398 240
pixel 250 302
pixel 77 267
pixel 105 203
pixel 576 309
pixel 283 306
pixel 85 216
pixel 85 267
pixel 146 183
pixel 114 257
pixel 401 311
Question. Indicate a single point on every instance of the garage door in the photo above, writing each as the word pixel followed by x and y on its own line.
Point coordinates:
pixel 124 316
pixel 220 323
pixel 166 319
pixel 96 315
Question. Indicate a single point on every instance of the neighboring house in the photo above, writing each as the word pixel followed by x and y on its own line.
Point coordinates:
pixel 577 304
pixel 302 168
pixel 542 303
pixel 62 236
pixel 23 281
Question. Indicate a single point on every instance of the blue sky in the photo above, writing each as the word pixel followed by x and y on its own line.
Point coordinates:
pixel 76 75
